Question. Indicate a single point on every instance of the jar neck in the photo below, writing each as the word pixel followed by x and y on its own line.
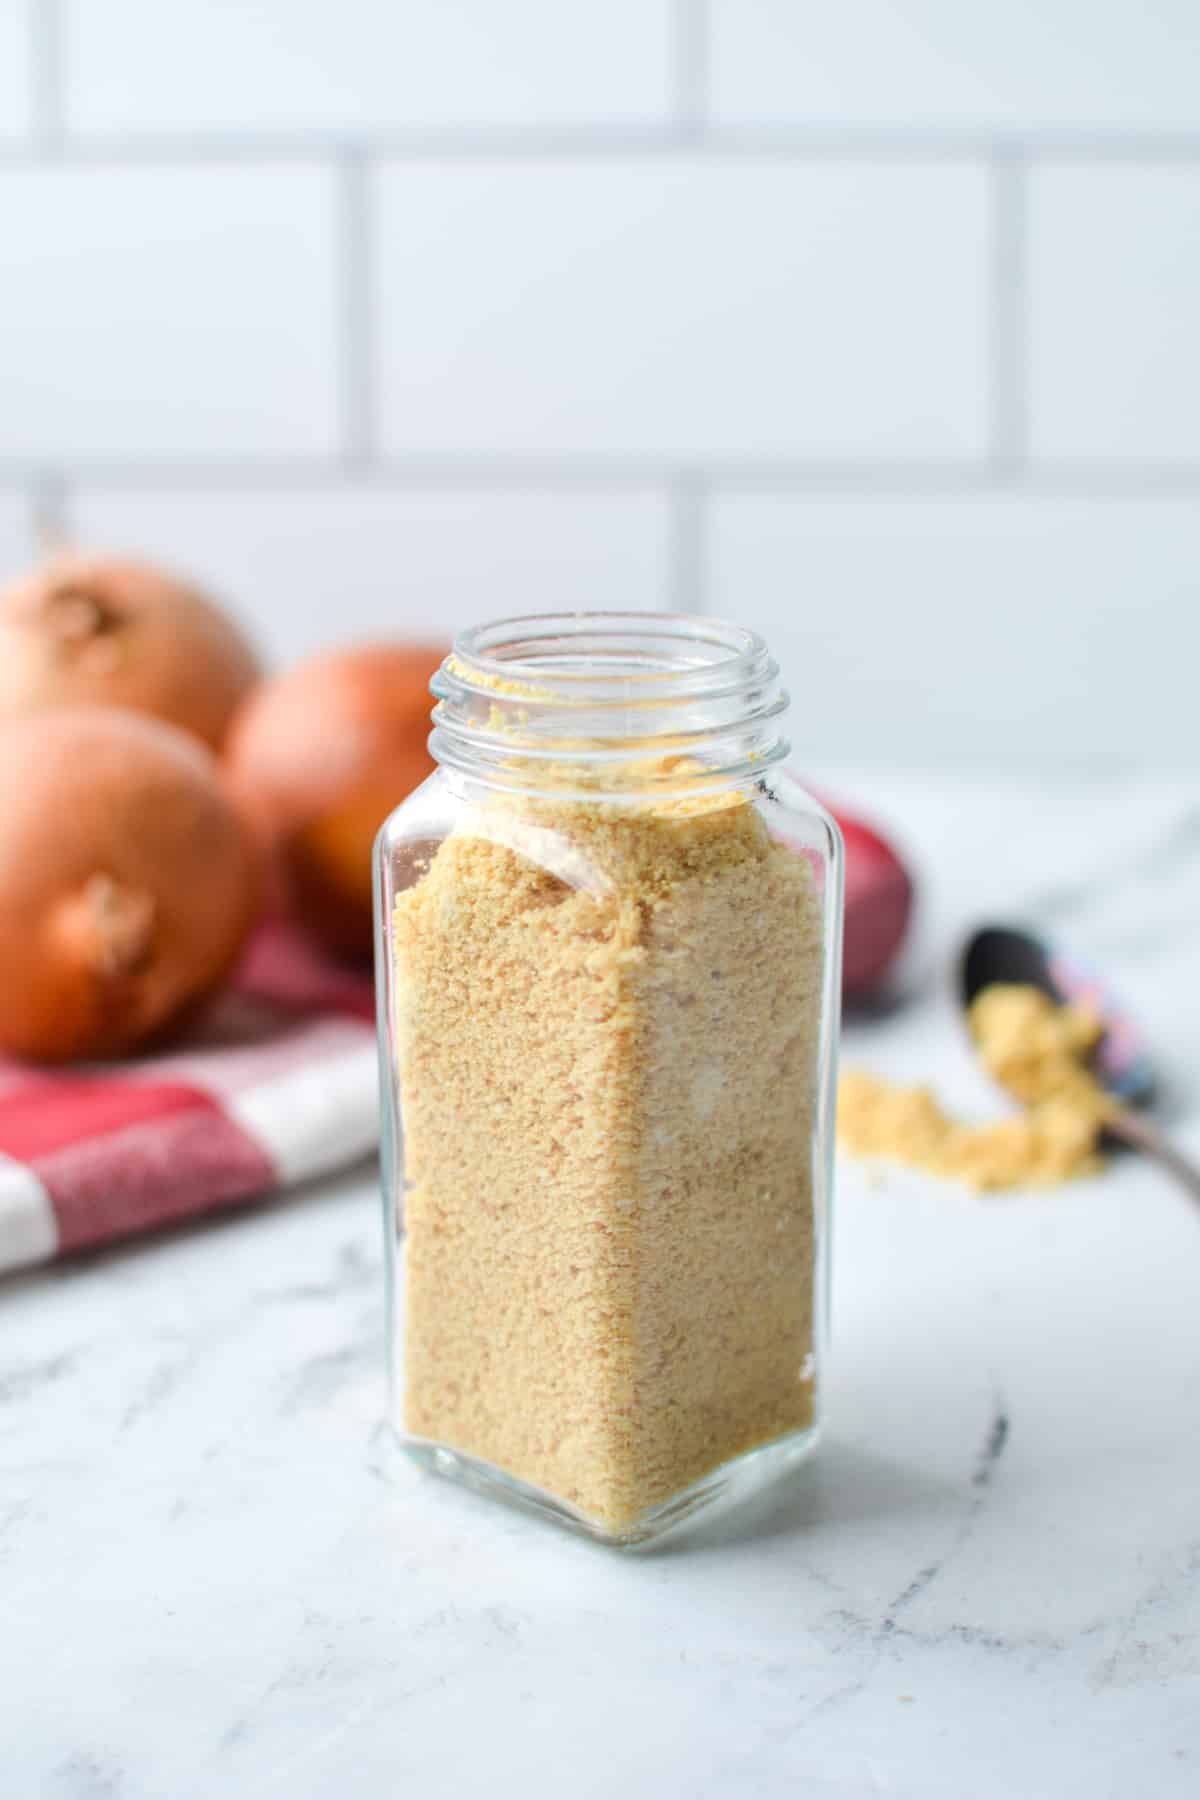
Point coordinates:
pixel 654 699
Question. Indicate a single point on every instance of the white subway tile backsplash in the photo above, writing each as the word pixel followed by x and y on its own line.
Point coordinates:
pixel 16 534
pixel 16 69
pixel 1114 310
pixel 913 630
pixel 384 318
pixel 299 65
pixel 683 308
pixel 167 311
pixel 308 569
pixel 1024 65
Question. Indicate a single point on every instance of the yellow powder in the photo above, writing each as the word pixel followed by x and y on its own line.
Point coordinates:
pixel 1039 1050
pixel 607 1025
pixel 1034 1048
pixel 499 684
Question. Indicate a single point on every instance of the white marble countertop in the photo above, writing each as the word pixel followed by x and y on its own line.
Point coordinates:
pixel 987 1583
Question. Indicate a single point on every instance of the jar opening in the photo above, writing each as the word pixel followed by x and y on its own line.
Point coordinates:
pixel 603 648
pixel 579 690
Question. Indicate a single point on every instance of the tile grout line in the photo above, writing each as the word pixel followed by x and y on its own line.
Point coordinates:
pixel 1045 481
pixel 1009 372
pixel 47 43
pixel 49 512
pixel 688 132
pixel 691 24
pixel 687 573
pixel 357 323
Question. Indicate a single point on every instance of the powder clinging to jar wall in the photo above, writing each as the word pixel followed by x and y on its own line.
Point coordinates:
pixel 607 1027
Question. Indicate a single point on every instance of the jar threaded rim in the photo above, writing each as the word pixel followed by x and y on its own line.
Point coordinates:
pixel 585 689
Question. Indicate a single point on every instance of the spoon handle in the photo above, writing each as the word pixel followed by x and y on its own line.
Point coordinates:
pixel 1140 1134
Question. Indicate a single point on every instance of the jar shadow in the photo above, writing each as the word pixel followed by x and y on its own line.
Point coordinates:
pixel 839 1485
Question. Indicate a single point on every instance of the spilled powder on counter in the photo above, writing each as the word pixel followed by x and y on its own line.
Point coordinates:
pixel 607 1027
pixel 1036 1049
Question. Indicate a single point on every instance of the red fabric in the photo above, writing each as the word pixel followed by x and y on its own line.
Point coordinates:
pixel 96 1153
pixel 158 1170
pixel 58 1110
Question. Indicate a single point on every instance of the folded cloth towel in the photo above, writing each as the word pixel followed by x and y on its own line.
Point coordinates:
pixel 275 1082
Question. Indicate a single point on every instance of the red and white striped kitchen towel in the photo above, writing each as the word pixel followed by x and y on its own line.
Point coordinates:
pixel 277 1082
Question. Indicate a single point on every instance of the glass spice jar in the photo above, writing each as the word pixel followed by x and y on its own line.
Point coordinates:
pixel 609 947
